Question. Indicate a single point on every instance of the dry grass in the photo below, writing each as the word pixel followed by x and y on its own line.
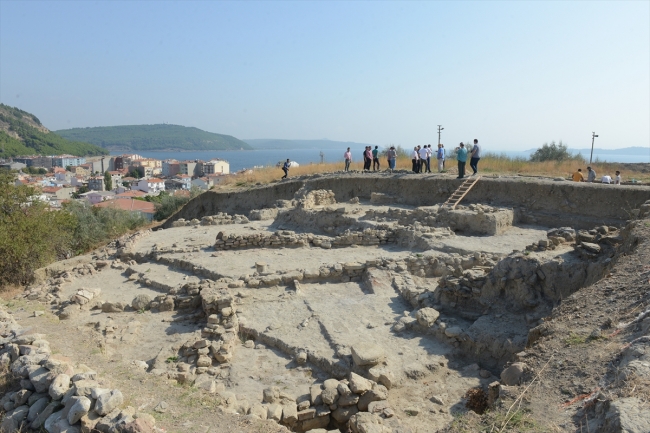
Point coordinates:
pixel 491 164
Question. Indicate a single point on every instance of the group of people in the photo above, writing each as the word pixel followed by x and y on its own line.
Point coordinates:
pixel 591 177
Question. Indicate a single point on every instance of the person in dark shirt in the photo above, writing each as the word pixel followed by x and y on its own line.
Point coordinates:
pixel 285 168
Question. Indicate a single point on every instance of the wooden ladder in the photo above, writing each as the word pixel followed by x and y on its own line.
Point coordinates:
pixel 461 192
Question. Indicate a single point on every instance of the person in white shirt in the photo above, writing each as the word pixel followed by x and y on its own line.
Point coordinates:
pixel 606 179
pixel 617 179
pixel 423 158
pixel 414 158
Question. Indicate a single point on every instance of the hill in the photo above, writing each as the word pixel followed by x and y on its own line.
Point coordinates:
pixel 272 143
pixel 21 133
pixel 154 137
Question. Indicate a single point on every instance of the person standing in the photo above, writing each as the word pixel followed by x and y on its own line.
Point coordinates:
pixel 348 159
pixel 368 158
pixel 443 156
pixel 429 153
pixel 440 156
pixel 617 179
pixel 591 175
pixel 578 176
pixel 461 157
pixel 392 156
pixel 476 155
pixel 285 168
pixel 414 159
pixel 375 158
pixel 423 158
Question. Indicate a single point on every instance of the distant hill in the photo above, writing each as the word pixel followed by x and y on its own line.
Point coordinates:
pixel 21 133
pixel 273 143
pixel 154 137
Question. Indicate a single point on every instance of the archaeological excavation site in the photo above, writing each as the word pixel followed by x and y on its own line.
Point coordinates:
pixel 348 303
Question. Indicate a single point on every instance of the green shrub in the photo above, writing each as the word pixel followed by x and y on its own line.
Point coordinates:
pixel 31 235
pixel 553 152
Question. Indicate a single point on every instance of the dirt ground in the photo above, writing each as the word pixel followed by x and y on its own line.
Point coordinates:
pixel 487 299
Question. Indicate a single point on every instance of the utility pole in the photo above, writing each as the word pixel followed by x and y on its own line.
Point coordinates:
pixel 593 137
pixel 440 128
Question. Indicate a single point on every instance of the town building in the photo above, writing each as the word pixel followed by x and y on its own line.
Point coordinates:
pixel 150 186
pixel 144 208
pixel 96 183
pixel 67 160
pixel 170 168
pixel 216 166
pixel 95 197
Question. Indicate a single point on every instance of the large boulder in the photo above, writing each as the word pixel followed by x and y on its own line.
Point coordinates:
pixel 427 316
pixel 367 354
pixel 512 375
pixel 141 302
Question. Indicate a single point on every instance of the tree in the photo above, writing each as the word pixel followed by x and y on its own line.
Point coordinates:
pixel 82 189
pixel 552 152
pixel 31 235
pixel 108 181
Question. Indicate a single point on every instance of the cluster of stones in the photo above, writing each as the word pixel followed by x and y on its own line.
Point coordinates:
pixel 333 403
pixel 448 266
pixel 586 242
pixel 643 211
pixel 319 197
pixel 54 395
pixel 288 238
pixel 212 220
pixel 50 289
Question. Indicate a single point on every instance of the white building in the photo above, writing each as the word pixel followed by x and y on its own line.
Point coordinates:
pixel 216 166
pixel 150 186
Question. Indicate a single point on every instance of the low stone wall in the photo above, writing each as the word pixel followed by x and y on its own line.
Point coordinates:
pixel 288 238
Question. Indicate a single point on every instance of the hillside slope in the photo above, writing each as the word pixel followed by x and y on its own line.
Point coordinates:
pixel 154 137
pixel 21 133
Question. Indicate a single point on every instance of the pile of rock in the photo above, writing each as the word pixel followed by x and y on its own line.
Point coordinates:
pixel 311 199
pixel 212 220
pixel 333 403
pixel 49 290
pixel 56 396
pixel 290 239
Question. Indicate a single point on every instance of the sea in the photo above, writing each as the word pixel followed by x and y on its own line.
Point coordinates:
pixel 246 159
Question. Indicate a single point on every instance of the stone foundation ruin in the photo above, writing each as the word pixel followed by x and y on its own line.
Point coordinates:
pixel 340 304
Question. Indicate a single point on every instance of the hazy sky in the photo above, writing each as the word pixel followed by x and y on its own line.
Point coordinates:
pixel 512 74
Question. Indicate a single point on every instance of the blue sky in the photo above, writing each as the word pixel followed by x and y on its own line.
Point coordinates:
pixel 512 74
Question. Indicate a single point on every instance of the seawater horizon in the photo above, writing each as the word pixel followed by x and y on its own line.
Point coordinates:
pixel 246 159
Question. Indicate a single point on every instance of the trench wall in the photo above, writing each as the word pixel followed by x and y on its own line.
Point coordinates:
pixel 536 201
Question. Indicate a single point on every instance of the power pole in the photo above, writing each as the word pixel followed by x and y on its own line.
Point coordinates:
pixel 593 137
pixel 440 128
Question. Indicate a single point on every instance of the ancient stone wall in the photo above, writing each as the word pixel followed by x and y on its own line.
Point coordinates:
pixel 539 201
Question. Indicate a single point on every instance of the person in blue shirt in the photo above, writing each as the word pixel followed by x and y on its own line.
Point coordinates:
pixel 461 156
pixel 285 168
pixel 440 156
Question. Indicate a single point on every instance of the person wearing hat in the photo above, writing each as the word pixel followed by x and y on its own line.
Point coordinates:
pixel 461 157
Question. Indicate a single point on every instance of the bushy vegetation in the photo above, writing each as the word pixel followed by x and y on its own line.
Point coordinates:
pixel 32 235
pixel 96 225
pixel 166 204
pixel 34 141
pixel 554 152
pixel 154 137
